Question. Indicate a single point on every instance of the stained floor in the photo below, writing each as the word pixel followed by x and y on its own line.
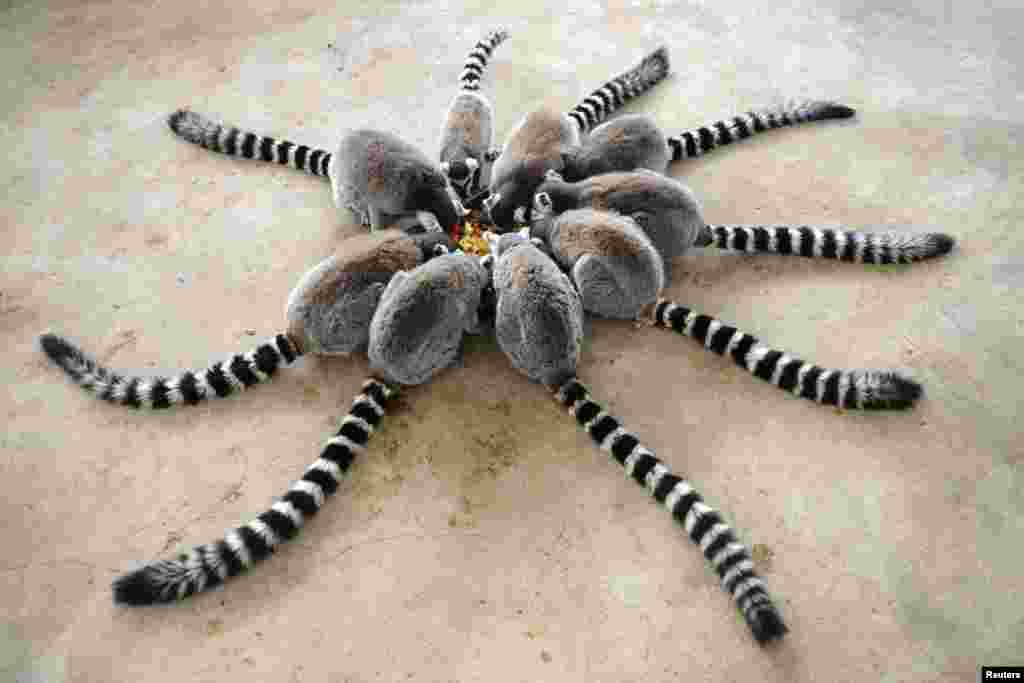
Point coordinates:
pixel 483 538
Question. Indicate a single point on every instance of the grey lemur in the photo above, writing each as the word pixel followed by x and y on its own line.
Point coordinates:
pixel 539 326
pixel 330 311
pixel 547 140
pixel 376 174
pixel 467 135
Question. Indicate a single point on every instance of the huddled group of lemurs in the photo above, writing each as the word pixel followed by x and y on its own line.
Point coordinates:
pixel 583 219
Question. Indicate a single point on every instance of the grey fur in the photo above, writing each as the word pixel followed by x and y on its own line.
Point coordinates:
pixel 467 134
pixel 665 209
pixel 330 309
pixel 542 141
pixel 626 143
pixel 418 327
pixel 614 265
pixel 381 178
pixel 539 318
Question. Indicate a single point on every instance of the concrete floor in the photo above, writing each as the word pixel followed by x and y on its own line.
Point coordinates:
pixel 483 538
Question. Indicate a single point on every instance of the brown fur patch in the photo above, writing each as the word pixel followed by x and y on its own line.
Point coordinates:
pixel 387 251
pixel 467 124
pixel 539 136
pixel 520 267
pixel 597 234
pixel 456 280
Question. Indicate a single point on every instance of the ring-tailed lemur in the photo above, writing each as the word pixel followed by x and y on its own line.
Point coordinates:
pixel 670 215
pixel 546 140
pixel 375 174
pixel 540 327
pixel 330 311
pixel 212 564
pixel 612 262
pixel 613 282
pixel 467 135
pixel 418 326
pixel 635 141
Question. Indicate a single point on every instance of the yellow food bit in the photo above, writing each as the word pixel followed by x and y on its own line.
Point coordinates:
pixel 473 241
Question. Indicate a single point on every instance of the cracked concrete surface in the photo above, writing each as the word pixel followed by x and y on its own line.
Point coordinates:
pixel 483 538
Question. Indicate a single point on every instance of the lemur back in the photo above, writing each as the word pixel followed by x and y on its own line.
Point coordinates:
pixel 329 311
pixel 625 143
pixel 467 135
pixel 418 326
pixel 612 262
pixel 665 209
pixel 545 140
pixel 539 318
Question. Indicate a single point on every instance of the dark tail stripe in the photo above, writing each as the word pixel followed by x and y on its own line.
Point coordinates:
pixel 728 557
pixel 476 62
pixel 597 106
pixel 211 564
pixel 842 245
pixel 218 137
pixel 724 132
pixel 189 388
pixel 849 389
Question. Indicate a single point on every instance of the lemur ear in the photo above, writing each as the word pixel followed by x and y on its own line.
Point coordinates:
pixel 552 174
pixel 492 155
pixel 541 201
pixel 489 202
pixel 440 250
pixel 519 215
pixel 472 164
pixel 445 167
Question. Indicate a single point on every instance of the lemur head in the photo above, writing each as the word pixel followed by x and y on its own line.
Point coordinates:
pixel 439 199
pixel 433 244
pixel 510 201
pixel 560 195
pixel 462 174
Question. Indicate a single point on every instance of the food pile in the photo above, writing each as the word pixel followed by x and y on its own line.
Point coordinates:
pixel 470 235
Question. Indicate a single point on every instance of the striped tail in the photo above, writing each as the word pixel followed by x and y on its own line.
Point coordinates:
pixel 840 245
pixel 610 97
pixel 209 565
pixel 219 380
pixel 705 527
pixel 476 61
pixel 227 139
pixel 698 141
pixel 849 389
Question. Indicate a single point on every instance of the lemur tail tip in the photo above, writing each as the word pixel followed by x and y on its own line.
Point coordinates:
pixel 135 589
pixel 56 347
pixel 174 119
pixel 767 625
pixel 943 243
pixel 834 110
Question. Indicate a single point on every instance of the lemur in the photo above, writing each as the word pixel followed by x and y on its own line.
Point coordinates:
pixel 635 141
pixel 330 311
pixel 546 139
pixel 418 327
pixel 612 269
pixel 467 134
pixel 671 216
pixel 375 174
pixel 539 326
